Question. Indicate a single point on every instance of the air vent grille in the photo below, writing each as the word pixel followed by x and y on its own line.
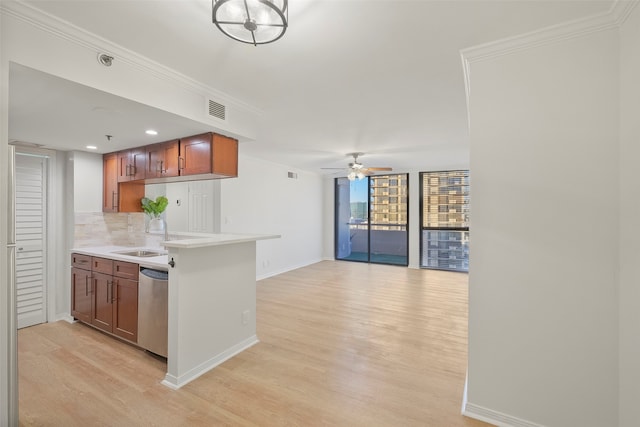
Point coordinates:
pixel 292 175
pixel 217 110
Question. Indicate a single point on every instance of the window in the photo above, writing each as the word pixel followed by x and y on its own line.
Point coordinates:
pixel 444 211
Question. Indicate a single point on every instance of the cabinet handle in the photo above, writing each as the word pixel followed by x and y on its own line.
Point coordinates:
pixel 134 169
pixel 126 173
pixel 113 297
pixel 108 287
pixel 86 286
pixel 181 163
pixel 113 200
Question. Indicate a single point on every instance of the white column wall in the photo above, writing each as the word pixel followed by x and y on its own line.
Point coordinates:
pixel 629 218
pixel 543 300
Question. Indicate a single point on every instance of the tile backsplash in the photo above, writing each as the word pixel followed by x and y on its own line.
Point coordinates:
pixel 112 229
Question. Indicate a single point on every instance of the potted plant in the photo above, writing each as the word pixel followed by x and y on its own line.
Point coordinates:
pixel 154 208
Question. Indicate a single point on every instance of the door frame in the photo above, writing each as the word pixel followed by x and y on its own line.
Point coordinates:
pixel 336 239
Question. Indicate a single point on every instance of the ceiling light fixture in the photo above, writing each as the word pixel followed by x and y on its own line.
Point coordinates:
pixel 151 132
pixel 355 174
pixel 92 147
pixel 251 21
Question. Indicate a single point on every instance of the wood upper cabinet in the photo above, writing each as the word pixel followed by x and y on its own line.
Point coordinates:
pixel 110 183
pixel 209 153
pixel 132 164
pixel 195 155
pixel 119 195
pixel 225 156
pixel 162 159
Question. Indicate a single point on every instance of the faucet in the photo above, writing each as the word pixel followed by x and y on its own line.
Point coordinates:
pixel 166 230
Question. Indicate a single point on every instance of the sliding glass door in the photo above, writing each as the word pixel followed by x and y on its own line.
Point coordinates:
pixel 371 219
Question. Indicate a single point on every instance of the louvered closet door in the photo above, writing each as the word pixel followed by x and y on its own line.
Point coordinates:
pixel 30 239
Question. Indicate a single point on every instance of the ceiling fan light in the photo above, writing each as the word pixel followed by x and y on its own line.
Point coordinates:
pixel 251 21
pixel 352 176
pixel 360 175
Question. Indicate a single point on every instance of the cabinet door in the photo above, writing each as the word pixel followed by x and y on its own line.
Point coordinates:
pixel 171 150
pixel 124 166
pixel 225 156
pixel 102 313
pixel 195 154
pixel 138 163
pixel 155 161
pixel 110 183
pixel 81 294
pixel 162 159
pixel 125 315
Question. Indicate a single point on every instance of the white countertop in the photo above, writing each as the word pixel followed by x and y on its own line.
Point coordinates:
pixel 194 240
pixel 157 262
pixel 177 240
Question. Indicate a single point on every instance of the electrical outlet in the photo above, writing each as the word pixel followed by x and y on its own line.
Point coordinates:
pixel 245 317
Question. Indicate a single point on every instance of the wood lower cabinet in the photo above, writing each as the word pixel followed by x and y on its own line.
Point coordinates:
pixel 81 294
pixel 125 308
pixel 102 313
pixel 106 295
pixel 81 287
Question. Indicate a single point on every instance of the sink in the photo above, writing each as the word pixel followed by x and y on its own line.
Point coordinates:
pixel 143 253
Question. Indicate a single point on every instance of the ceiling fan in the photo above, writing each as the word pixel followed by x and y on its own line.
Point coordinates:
pixel 356 170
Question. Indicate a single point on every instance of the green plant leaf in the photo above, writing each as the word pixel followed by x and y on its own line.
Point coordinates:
pixel 154 208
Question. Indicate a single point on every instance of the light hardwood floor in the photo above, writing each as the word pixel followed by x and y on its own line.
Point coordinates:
pixel 341 344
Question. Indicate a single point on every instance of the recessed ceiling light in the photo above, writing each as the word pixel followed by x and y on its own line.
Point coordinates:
pixel 92 147
pixel 151 132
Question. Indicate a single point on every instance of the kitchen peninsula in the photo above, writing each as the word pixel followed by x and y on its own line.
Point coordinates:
pixel 211 298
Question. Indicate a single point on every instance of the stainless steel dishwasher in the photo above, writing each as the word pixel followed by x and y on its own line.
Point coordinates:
pixel 152 310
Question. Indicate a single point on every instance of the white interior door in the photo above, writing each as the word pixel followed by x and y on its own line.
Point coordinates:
pixel 31 215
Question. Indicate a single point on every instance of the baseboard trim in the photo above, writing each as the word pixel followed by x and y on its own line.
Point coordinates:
pixel 175 383
pixel 67 318
pixel 284 270
pixel 494 417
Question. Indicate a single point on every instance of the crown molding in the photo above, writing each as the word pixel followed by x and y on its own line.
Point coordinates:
pixel 611 19
pixel 74 34
pixel 614 18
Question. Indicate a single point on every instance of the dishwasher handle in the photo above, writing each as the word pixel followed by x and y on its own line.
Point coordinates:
pixel 155 274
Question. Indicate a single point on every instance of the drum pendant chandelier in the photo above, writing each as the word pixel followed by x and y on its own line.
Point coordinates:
pixel 251 21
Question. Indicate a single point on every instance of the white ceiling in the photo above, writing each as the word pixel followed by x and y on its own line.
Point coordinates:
pixel 383 77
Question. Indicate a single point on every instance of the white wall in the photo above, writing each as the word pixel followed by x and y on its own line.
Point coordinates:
pixel 263 200
pixel 629 217
pixel 543 301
